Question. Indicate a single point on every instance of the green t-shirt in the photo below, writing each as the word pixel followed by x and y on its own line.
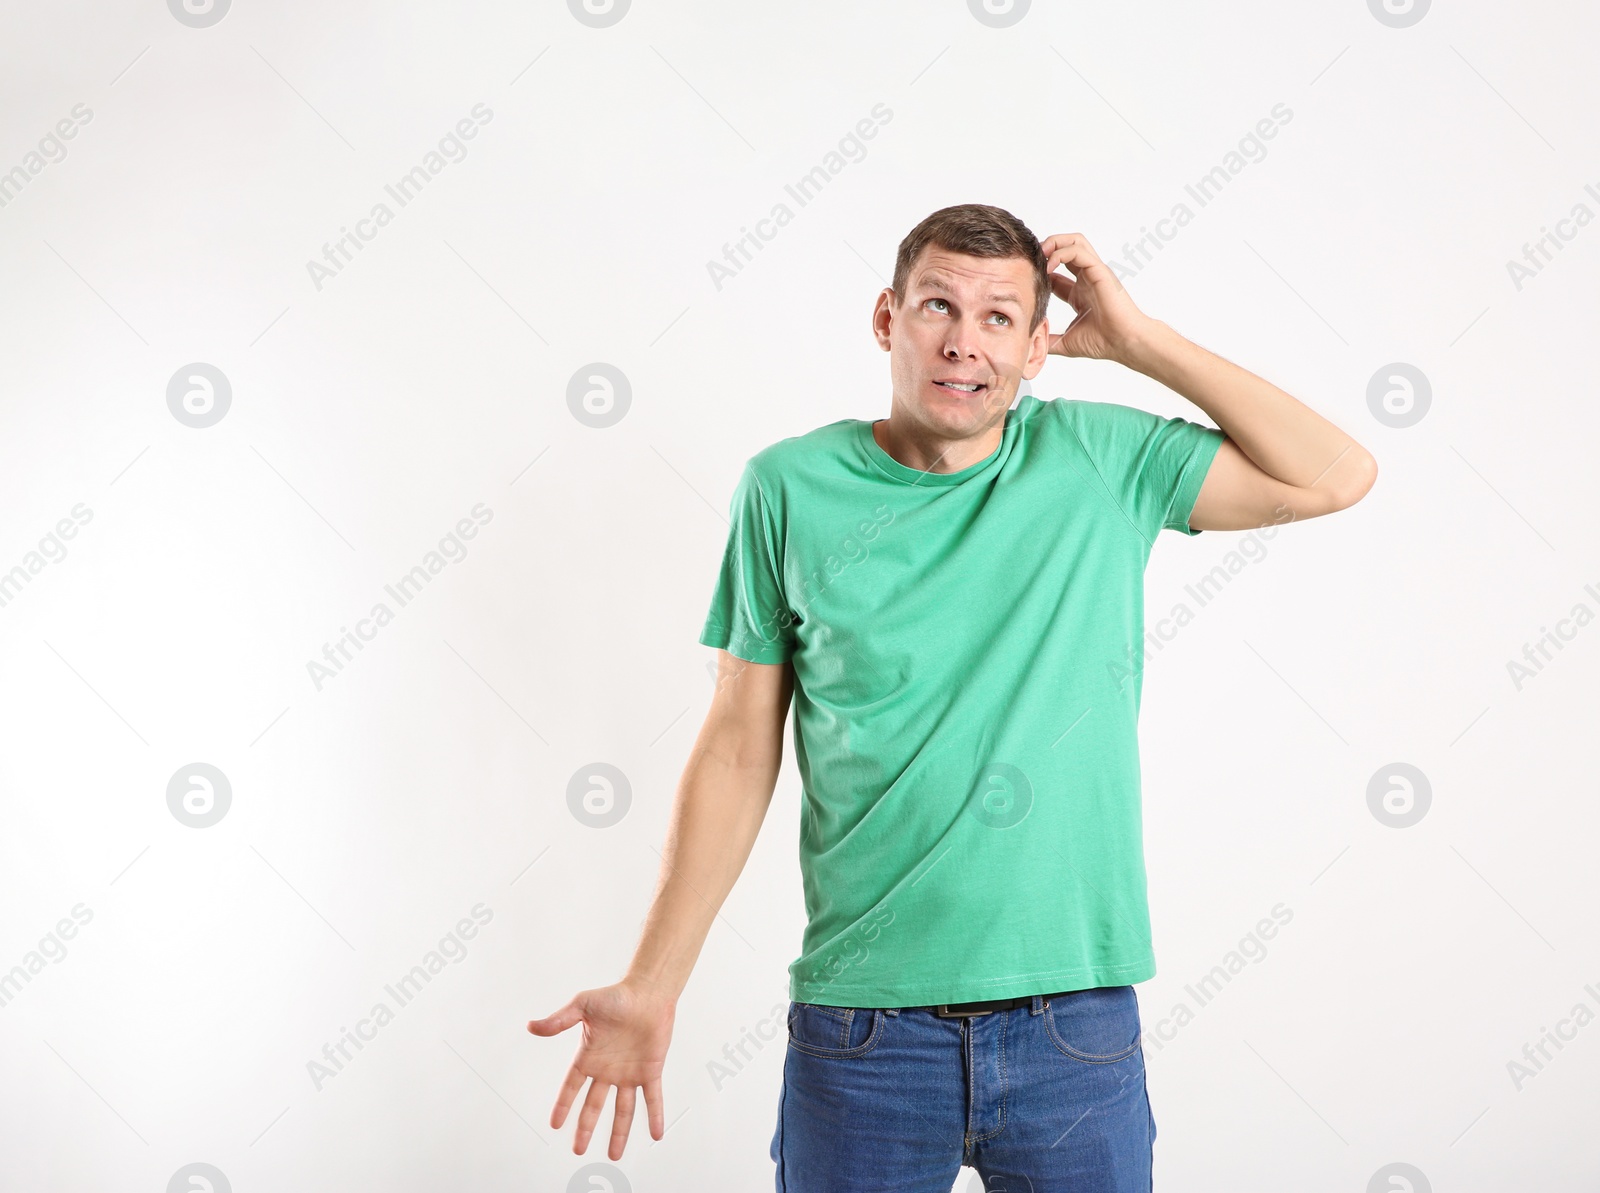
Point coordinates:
pixel 967 650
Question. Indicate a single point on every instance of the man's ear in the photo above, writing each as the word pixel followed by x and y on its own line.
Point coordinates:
pixel 882 317
pixel 1038 350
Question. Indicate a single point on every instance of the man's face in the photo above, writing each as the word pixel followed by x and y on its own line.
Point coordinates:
pixel 963 319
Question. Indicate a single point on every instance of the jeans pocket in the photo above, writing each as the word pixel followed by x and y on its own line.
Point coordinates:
pixel 1097 1026
pixel 834 1032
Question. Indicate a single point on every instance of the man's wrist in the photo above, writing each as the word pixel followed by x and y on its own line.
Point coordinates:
pixel 1145 349
pixel 653 987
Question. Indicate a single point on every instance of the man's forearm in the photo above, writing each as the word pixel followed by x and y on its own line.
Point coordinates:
pixel 718 811
pixel 1282 435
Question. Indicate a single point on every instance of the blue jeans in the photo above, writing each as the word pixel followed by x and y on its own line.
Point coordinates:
pixel 1043 1098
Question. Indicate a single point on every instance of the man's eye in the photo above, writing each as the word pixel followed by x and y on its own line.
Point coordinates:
pixel 936 300
pixel 999 315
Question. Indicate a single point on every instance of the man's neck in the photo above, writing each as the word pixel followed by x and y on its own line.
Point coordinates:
pixel 936 454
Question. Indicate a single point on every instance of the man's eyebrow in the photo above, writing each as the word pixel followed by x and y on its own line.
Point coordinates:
pixel 936 282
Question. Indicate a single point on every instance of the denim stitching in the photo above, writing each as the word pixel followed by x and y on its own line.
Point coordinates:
pixel 1068 1050
pixel 1005 1023
pixel 847 1053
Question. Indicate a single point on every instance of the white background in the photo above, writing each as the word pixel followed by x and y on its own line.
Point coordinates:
pixel 368 416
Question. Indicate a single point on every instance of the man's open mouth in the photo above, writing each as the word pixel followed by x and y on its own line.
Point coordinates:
pixel 963 387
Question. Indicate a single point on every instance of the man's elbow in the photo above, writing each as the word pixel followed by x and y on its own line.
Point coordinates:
pixel 1359 472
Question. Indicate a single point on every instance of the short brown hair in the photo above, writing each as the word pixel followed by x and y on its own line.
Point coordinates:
pixel 979 231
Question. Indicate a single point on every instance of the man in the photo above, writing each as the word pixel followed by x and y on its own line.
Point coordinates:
pixel 953 596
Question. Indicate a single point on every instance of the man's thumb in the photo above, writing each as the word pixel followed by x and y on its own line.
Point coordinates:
pixel 559 1022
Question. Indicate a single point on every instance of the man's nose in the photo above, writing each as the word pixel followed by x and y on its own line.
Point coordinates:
pixel 961 343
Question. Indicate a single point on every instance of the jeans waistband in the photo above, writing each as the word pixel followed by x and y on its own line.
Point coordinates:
pixel 961 1010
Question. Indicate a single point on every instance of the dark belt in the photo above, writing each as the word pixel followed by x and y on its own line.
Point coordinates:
pixel 963 1010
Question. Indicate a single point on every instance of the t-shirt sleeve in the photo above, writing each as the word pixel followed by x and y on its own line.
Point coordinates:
pixel 1153 466
pixel 749 616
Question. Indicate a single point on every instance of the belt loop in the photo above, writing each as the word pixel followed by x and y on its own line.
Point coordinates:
pixel 1039 1004
pixel 891 1010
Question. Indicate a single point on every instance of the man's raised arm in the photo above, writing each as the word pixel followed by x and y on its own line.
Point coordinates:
pixel 1279 453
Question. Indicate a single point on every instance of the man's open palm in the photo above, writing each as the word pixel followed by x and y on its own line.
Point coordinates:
pixel 625 1038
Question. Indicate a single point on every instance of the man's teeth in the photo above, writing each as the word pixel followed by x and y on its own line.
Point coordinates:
pixel 966 388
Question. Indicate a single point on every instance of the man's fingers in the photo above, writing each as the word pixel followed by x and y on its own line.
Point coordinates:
pixel 652 1101
pixel 1062 286
pixel 1077 259
pixel 1095 274
pixel 621 1120
pixel 569 1090
pixel 592 1106
pixel 1073 251
pixel 552 1025
pixel 1060 248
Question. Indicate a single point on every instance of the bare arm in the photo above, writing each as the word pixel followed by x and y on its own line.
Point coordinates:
pixel 721 801
pixel 1279 453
